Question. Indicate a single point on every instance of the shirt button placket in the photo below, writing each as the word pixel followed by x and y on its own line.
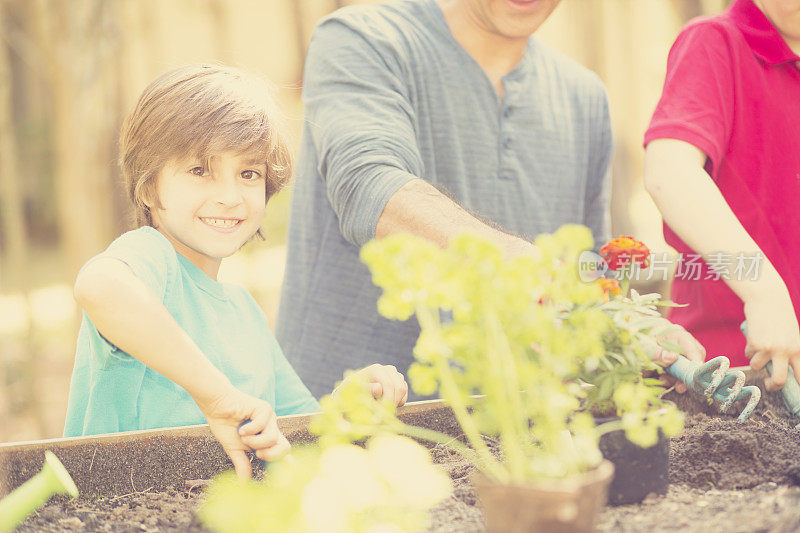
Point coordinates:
pixel 505 142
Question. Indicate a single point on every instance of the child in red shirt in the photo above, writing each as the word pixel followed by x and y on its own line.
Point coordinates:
pixel 723 165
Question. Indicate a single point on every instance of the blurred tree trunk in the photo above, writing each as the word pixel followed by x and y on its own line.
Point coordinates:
pixel 12 214
pixel 150 32
pixel 305 15
pixel 300 17
pixel 127 26
pixel 220 21
pixel 623 85
pixel 688 9
pixel 77 56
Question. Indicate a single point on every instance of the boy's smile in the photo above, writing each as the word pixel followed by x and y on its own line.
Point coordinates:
pixel 222 224
pixel 209 213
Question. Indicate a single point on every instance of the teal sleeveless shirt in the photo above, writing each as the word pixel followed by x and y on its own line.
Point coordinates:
pixel 111 391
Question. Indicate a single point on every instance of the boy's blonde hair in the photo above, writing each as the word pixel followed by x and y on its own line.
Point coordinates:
pixel 197 111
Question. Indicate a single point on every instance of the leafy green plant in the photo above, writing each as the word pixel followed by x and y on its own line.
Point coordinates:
pixel 510 344
pixel 620 386
pixel 520 333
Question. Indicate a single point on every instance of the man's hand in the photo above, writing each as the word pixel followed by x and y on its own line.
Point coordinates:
pixel 385 380
pixel 773 335
pixel 260 434
pixel 692 350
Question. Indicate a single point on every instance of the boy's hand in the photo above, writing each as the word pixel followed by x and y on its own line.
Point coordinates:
pixel 772 335
pixel 385 380
pixel 692 350
pixel 260 434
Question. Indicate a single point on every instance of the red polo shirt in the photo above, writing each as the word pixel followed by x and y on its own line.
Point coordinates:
pixel 733 90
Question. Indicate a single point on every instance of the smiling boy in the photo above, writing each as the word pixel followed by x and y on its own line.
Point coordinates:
pixel 162 342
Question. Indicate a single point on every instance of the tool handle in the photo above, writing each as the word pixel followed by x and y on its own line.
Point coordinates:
pixel 683 369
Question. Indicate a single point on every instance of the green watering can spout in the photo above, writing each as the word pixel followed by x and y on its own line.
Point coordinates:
pixel 53 479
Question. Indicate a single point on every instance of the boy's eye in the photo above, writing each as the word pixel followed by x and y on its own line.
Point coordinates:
pixel 251 175
pixel 197 171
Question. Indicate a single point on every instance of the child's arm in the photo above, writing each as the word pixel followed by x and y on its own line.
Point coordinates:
pixel 128 314
pixel 697 212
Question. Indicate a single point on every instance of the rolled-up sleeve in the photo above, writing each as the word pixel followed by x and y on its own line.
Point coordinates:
pixel 362 123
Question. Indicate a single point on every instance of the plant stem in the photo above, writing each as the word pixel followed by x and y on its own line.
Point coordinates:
pixel 608 427
pixel 626 280
pixel 429 320
pixel 513 399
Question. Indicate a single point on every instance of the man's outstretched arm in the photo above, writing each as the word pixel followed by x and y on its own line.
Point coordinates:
pixel 422 210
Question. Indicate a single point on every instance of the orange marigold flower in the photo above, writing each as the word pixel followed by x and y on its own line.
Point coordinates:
pixel 610 287
pixel 625 251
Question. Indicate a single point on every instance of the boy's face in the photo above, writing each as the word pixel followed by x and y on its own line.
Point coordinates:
pixel 209 213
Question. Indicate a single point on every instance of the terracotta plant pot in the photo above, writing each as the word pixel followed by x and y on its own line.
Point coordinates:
pixel 558 506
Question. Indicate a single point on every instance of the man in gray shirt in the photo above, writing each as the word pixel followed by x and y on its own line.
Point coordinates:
pixel 411 103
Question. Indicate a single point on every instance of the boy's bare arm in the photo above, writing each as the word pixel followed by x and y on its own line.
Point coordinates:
pixel 421 209
pixel 128 314
pixel 695 209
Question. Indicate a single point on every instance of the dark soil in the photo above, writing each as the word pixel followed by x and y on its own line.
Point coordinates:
pixel 169 510
pixel 718 452
pixel 724 476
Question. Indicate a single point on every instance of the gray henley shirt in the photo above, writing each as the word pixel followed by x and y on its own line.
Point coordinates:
pixel 390 96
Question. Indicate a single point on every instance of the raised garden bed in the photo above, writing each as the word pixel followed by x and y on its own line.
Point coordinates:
pixel 725 476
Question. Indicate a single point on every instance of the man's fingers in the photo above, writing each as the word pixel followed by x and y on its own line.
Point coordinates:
pixel 403 388
pixel 386 381
pixel 241 463
pixel 383 375
pixel 397 383
pixel 397 386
